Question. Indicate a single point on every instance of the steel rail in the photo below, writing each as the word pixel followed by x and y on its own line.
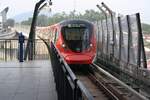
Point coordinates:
pixel 120 82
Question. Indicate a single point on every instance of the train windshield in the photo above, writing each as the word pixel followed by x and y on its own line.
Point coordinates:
pixel 76 38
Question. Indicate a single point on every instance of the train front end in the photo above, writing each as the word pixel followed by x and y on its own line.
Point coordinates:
pixel 79 43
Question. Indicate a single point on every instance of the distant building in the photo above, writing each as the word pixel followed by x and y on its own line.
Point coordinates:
pixel 3 19
pixel 1 23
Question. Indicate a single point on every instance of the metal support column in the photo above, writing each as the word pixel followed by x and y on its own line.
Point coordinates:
pixel 31 40
pixel 5 50
pixel 108 36
pixel 141 49
pixel 113 28
pixel 103 39
pixel 120 38
pixel 129 37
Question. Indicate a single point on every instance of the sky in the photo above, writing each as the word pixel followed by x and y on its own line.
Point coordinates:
pixel 120 6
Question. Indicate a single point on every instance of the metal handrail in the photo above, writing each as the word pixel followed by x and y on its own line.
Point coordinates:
pixel 77 83
pixel 71 74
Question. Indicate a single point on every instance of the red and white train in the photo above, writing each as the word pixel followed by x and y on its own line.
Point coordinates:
pixel 75 39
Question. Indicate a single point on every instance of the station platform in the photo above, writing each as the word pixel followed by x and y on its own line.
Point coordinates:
pixel 31 80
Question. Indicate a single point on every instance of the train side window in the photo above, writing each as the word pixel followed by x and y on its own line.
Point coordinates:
pixel 56 35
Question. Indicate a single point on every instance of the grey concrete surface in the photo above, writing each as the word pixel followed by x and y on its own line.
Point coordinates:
pixel 32 80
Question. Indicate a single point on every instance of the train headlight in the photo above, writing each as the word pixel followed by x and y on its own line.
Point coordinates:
pixel 63 45
pixel 91 45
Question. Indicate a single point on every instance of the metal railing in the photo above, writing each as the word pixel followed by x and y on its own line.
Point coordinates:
pixel 67 85
pixel 9 50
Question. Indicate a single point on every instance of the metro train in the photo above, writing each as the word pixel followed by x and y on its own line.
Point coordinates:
pixel 75 40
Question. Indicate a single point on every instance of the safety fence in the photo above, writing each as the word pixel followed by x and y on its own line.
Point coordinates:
pixel 67 85
pixel 9 49
pixel 120 46
pixel 124 42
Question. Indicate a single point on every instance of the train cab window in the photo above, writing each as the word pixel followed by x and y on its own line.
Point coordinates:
pixel 76 38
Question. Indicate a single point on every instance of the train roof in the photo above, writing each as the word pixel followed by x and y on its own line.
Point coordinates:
pixel 74 21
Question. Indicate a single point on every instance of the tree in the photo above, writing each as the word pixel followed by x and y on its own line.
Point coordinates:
pixel 27 22
pixel 42 20
pixel 92 15
pixel 146 28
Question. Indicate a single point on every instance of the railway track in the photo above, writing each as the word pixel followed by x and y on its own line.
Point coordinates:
pixel 84 77
pixel 103 86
